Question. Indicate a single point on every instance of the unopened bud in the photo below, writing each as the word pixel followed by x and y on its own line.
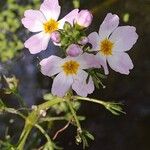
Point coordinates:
pixel 74 50
pixel 83 41
pixel 84 18
pixel 55 37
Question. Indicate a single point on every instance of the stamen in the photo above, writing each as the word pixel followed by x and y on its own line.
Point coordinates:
pixel 106 47
pixel 70 67
pixel 51 26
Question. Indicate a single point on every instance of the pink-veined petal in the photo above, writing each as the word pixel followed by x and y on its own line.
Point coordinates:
pixel 37 42
pixel 50 9
pixel 120 62
pixel 109 24
pixel 33 20
pixel 69 18
pixel 102 61
pixel 51 65
pixel 61 84
pixel 94 39
pixel 124 37
pixel 87 61
pixel 80 86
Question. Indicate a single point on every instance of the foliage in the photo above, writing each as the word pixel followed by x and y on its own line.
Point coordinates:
pixel 11 33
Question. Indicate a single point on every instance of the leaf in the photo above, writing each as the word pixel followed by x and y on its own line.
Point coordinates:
pixel 2 105
pixel 48 97
pixel 101 75
pixel 89 135
pixel 67 26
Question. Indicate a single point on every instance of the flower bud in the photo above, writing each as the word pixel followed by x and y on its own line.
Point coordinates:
pixel 55 37
pixel 74 50
pixel 83 41
pixel 84 18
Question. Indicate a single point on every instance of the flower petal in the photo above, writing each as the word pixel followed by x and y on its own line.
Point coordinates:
pixel 51 65
pixel 94 39
pixel 120 62
pixel 80 86
pixel 61 84
pixel 50 9
pixel 124 38
pixel 102 61
pixel 37 42
pixel 109 24
pixel 87 61
pixel 33 20
pixel 69 18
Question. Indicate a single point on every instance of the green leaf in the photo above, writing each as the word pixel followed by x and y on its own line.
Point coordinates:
pixel 48 97
pixel 2 105
pixel 67 26
pixel 89 135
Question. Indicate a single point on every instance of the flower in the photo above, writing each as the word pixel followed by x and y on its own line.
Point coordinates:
pixel 44 21
pixel 74 50
pixel 112 42
pixel 70 73
pixel 84 18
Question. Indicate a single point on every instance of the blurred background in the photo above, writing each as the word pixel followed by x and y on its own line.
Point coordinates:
pixel 124 132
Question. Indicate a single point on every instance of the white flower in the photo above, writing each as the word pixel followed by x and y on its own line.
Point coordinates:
pixel 44 21
pixel 70 72
pixel 112 42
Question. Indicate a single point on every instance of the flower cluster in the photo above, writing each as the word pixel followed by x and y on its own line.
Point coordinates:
pixel 80 62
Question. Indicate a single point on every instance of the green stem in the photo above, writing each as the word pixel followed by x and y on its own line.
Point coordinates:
pixel 33 118
pixel 114 108
pixel 14 111
pixel 90 100
pixel 45 134
pixel 61 118
pixel 49 119
pixel 74 115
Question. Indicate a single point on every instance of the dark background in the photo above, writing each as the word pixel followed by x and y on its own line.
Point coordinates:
pixel 124 132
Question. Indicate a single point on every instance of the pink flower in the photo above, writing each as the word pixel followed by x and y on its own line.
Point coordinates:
pixel 74 50
pixel 112 42
pixel 44 21
pixel 70 72
pixel 84 18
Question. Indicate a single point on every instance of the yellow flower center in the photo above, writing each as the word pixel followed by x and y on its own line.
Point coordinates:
pixel 70 67
pixel 106 47
pixel 50 26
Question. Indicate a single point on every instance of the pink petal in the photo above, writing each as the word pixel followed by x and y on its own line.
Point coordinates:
pixel 61 84
pixel 87 61
pixel 94 39
pixel 120 62
pixel 50 66
pixel 33 20
pixel 50 9
pixel 124 38
pixel 80 86
pixel 69 18
pixel 37 42
pixel 109 24
pixel 102 61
